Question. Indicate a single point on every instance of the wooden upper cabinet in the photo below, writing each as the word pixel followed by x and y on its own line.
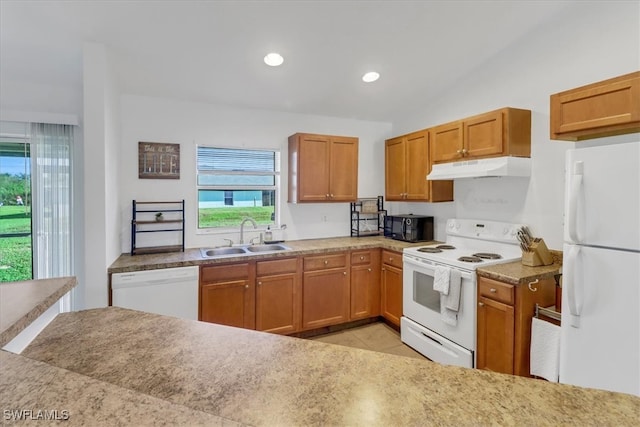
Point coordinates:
pixel 609 107
pixel 407 165
pixel 504 132
pixel 446 142
pixel 395 168
pixel 323 168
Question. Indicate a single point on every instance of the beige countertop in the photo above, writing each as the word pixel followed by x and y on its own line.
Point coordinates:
pixel 127 263
pixel 516 273
pixel 101 364
pixel 22 302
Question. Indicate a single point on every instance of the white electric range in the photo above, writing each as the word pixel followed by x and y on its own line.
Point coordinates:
pixel 439 334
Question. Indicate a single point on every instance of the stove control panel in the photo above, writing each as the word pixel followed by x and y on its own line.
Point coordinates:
pixel 482 229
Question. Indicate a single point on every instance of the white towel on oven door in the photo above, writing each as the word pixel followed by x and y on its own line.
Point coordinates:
pixel 452 300
pixel 447 316
pixel 441 280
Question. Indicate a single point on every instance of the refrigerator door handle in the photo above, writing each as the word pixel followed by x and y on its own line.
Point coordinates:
pixel 575 286
pixel 574 192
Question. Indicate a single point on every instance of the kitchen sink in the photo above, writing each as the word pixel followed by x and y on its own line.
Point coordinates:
pixel 274 247
pixel 226 251
pixel 222 251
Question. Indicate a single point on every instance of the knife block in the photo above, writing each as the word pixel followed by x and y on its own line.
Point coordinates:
pixel 537 255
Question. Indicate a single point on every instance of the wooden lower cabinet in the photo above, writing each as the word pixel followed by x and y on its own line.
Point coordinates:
pixel 365 284
pixel 504 319
pixel 391 286
pixel 227 294
pixel 278 296
pixel 325 290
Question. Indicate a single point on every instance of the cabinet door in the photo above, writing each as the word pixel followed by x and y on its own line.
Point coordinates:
pixel 605 108
pixel 343 169
pixel 277 303
pixel 446 142
pixel 417 162
pixel 483 135
pixel 228 303
pixel 325 298
pixel 391 289
pixel 313 168
pixel 495 336
pixel 395 168
pixel 365 285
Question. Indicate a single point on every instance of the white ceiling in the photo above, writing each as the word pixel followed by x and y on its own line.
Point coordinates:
pixel 211 51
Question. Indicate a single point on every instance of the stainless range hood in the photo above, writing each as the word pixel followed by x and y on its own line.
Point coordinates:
pixel 482 168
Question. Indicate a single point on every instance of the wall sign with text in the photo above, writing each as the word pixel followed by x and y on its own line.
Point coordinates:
pixel 158 160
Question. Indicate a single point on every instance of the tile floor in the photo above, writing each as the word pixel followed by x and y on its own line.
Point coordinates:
pixel 374 336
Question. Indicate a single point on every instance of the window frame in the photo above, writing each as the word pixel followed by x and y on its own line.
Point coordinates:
pixel 276 187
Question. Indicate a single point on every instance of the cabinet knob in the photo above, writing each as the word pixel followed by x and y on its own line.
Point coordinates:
pixel 481 304
pixel 246 286
pixel 459 151
pixel 493 290
pixel 369 270
pixel 326 196
pixel 464 151
pixel 326 262
pixel 361 257
pixel 259 283
pixel 332 196
pixel 344 273
pixel 390 258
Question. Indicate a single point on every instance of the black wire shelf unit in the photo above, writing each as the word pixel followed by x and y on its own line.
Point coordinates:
pixel 157 217
pixel 367 217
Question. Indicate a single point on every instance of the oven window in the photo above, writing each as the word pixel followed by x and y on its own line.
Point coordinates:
pixel 423 292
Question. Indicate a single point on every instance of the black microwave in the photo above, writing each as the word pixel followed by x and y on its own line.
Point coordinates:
pixel 409 228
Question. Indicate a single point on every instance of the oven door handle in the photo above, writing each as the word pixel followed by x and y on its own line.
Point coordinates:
pixel 430 268
pixel 421 265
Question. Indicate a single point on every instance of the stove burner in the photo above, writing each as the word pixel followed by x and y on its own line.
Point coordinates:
pixel 487 255
pixel 445 247
pixel 429 250
pixel 469 259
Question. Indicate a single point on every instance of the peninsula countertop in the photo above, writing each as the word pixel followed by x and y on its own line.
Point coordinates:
pixel 22 302
pixel 128 263
pixel 255 378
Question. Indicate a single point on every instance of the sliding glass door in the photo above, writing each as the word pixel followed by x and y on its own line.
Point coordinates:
pixel 16 243
pixel 36 201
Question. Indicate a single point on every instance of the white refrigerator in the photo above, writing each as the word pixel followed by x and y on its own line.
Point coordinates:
pixel 600 330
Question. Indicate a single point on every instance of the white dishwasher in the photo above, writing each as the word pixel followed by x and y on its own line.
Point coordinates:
pixel 169 291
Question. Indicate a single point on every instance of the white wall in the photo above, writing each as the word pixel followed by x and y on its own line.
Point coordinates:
pixel 170 121
pixel 600 42
pixel 101 165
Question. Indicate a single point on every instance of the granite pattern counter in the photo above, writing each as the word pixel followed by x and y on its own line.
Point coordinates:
pixel 22 302
pixel 127 263
pixel 256 378
pixel 516 273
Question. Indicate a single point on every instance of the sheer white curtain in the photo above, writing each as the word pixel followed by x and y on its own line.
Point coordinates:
pixel 52 221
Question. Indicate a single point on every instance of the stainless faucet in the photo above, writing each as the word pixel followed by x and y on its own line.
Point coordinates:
pixel 242 227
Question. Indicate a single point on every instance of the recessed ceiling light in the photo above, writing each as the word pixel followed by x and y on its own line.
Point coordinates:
pixel 273 59
pixel 371 76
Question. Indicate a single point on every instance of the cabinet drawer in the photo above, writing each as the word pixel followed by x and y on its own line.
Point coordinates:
pixel 496 291
pixel 360 258
pixel 278 266
pixel 322 262
pixel 216 273
pixel 392 258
